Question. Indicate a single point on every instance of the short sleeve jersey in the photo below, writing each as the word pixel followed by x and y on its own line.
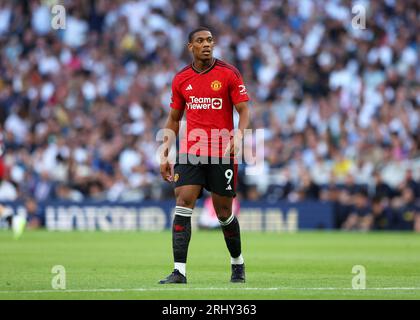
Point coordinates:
pixel 208 99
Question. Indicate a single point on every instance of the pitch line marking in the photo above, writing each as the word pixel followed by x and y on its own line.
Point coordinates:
pixel 211 289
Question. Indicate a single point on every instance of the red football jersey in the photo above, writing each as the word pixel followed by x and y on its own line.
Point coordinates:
pixel 208 98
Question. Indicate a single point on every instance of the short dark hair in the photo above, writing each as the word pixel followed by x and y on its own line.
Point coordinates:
pixel 192 33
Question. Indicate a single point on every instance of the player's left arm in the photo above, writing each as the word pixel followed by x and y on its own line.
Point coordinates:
pixel 235 142
pixel 239 97
pixel 243 111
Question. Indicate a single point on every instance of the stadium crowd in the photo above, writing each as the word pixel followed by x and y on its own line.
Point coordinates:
pixel 340 104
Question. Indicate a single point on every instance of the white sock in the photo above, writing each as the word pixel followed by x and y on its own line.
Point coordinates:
pixel 181 268
pixel 238 260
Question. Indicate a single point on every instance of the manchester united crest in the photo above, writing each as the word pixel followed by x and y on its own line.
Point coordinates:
pixel 216 85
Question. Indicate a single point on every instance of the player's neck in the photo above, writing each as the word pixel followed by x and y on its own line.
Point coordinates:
pixel 202 65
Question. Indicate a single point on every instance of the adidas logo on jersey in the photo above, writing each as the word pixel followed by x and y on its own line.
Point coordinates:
pixel 189 87
pixel 228 187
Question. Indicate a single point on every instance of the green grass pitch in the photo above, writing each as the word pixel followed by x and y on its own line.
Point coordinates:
pixel 303 265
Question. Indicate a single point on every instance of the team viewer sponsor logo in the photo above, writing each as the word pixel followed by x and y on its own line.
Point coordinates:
pixel 196 103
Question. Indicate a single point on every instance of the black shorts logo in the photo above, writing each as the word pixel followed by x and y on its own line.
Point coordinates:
pixel 176 177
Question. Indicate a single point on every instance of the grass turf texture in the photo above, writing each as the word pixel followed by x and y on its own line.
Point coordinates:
pixel 304 265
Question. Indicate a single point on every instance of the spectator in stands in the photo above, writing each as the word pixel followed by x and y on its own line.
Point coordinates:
pixel 412 184
pixel 65 193
pixel 380 188
pixel 34 216
pixel 407 212
pixel 381 217
pixel 360 214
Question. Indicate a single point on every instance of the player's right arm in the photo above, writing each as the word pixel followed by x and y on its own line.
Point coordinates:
pixel 171 131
